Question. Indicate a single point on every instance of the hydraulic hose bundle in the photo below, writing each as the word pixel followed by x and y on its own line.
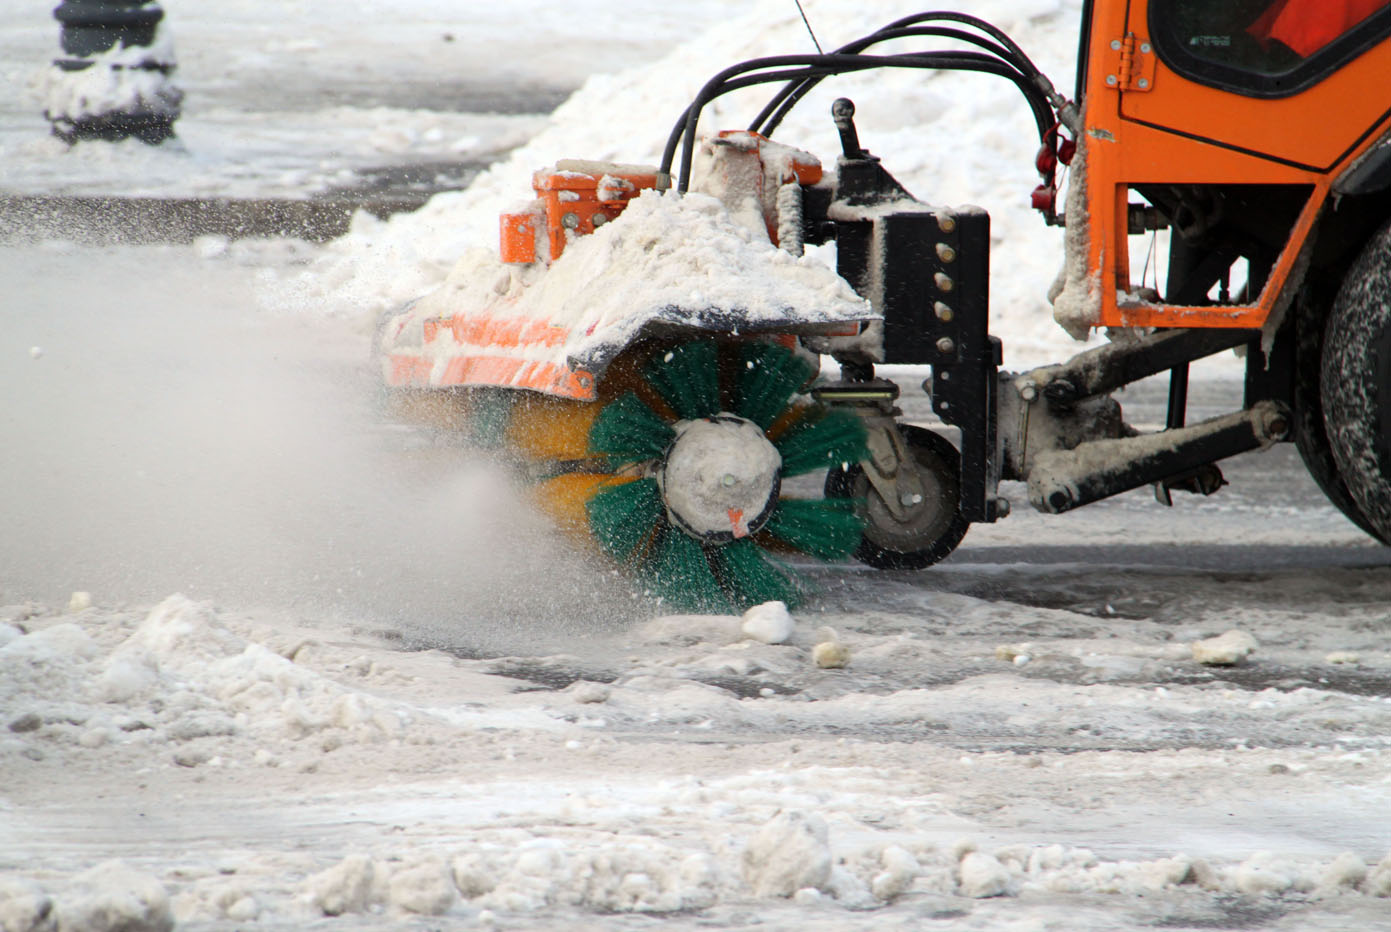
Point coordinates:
pixel 999 55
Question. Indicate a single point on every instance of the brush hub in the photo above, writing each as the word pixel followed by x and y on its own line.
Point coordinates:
pixel 720 478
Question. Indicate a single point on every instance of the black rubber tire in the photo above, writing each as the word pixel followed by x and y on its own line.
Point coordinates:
pixel 1355 385
pixel 1310 434
pixel 888 545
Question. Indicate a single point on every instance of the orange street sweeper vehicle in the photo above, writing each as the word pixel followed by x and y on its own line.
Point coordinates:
pixel 645 342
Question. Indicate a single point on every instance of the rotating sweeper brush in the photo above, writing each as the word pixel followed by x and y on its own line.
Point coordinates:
pixel 691 498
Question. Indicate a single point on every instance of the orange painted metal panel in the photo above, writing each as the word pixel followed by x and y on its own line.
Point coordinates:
pixel 1321 126
pixel 408 371
pixel 1314 128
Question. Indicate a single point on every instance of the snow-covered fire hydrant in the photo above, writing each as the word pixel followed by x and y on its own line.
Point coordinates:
pixel 115 79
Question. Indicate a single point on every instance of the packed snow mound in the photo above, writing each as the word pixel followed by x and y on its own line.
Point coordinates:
pixel 665 257
pixel 180 676
pixel 951 138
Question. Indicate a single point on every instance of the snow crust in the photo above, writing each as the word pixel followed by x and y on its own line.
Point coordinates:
pixel 1076 293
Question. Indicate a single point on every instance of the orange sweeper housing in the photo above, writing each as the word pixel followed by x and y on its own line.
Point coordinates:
pixel 648 337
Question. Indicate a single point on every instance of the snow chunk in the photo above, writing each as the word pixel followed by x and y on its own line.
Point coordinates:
pixel 588 692
pixel 79 601
pixel 8 633
pixel 344 888
pixel 113 897
pixel 900 870
pixel 179 627
pixel 982 875
pixel 1347 870
pixel 126 676
pixel 770 623
pixel 621 877
pixel 46 663
pixel 789 853
pixel 474 874
pixel 1267 872
pixel 426 888
pixel 24 907
pixel 829 653
pixel 1224 650
pixel 1378 882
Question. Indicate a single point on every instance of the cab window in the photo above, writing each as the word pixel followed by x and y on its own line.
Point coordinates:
pixel 1264 48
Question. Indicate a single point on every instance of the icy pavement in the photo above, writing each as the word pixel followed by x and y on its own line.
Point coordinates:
pixel 388 698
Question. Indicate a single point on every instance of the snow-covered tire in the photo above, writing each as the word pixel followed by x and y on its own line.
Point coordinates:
pixel 1355 383
pixel 1310 434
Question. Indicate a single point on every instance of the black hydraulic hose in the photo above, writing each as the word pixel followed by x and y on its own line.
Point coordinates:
pixel 816 66
pixel 1066 110
pixel 771 116
pixel 829 64
pixel 788 97
pixel 995 32
pixel 944 61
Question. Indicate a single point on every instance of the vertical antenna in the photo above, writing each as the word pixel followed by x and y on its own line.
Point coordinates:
pixel 808 25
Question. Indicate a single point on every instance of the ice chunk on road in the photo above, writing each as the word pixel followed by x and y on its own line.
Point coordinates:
pixel 769 623
pixel 1224 650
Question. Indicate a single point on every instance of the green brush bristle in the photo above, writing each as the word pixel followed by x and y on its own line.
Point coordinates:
pixel 629 430
pixel 769 376
pixel 820 442
pixel 688 379
pixel 680 574
pixel 752 578
pixel 825 528
pixel 621 517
